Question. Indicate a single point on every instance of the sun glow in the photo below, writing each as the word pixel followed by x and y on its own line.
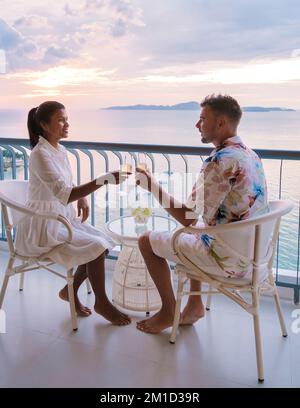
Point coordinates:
pixel 57 77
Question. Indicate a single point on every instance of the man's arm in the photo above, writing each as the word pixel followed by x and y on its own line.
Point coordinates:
pixel 183 214
pixel 178 210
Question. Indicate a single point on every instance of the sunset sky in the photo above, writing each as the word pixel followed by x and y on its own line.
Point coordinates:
pixel 97 53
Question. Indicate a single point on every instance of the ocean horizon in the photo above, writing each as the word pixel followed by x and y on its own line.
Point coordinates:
pixel 260 130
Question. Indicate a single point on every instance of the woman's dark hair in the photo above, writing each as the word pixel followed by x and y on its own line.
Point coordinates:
pixel 224 104
pixel 38 115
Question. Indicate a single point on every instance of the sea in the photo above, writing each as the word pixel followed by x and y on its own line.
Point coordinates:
pixel 259 130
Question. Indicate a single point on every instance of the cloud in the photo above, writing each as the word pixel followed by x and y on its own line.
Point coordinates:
pixel 31 24
pixel 199 30
pixel 9 37
pixel 119 28
pixel 53 54
pixel 44 35
pixel 175 44
pixel 264 72
pixel 19 49
pixel 68 11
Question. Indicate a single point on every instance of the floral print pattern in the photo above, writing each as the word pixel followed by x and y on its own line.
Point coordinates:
pixel 232 187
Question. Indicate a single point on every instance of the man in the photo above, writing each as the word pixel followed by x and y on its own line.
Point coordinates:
pixel 232 186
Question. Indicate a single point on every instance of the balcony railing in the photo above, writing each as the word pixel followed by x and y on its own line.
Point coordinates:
pixel 176 168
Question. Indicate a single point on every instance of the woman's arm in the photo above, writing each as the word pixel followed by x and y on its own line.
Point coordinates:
pixel 50 176
pixel 83 190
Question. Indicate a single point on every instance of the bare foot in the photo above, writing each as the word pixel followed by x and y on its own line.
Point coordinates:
pixel 157 323
pixel 81 310
pixel 111 313
pixel 192 312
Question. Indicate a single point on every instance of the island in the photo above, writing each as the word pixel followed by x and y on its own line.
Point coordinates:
pixel 179 106
pixel 262 109
pixel 194 106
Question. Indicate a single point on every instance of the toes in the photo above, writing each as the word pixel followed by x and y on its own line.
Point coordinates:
pixel 142 325
pixel 121 322
pixel 141 321
pixel 148 329
pixel 88 310
pixel 83 313
pixel 141 328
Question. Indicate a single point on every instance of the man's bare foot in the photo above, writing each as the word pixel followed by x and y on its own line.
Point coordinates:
pixel 111 313
pixel 192 312
pixel 81 310
pixel 157 323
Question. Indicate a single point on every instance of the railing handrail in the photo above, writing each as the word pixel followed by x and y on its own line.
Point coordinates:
pixel 278 154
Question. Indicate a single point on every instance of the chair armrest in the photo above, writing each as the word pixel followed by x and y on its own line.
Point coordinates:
pixel 39 214
pixel 283 207
pixel 212 229
pixel 215 229
pixel 57 217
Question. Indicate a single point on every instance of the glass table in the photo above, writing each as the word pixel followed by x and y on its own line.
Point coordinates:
pixel 132 287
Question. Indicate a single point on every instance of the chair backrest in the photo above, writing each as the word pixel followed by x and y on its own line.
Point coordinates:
pixel 255 238
pixel 16 192
pixel 267 233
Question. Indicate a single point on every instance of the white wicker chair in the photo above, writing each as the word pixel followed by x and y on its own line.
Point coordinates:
pixel 13 194
pixel 264 230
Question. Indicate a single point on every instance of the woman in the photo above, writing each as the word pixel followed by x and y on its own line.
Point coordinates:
pixel 51 190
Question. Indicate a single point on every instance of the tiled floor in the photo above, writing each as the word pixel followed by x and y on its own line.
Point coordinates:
pixel 40 349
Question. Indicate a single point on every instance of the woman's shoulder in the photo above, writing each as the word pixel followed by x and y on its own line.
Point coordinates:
pixel 39 152
pixel 62 149
pixel 38 149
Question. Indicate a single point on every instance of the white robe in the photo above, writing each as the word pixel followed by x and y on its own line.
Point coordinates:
pixel 50 185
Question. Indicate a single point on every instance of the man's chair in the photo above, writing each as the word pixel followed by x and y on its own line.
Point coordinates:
pixel 13 195
pixel 263 232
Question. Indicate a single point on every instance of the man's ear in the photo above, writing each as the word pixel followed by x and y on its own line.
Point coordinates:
pixel 221 121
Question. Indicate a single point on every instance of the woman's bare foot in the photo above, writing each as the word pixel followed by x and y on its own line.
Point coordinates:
pixel 192 312
pixel 157 323
pixel 111 313
pixel 81 310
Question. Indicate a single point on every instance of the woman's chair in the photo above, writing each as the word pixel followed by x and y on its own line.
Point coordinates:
pixel 263 232
pixel 13 194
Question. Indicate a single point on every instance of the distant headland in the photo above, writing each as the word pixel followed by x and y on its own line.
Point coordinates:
pixel 194 106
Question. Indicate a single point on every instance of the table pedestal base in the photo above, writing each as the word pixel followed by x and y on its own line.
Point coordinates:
pixel 133 287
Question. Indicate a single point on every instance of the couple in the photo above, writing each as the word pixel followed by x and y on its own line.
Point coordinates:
pixel 231 181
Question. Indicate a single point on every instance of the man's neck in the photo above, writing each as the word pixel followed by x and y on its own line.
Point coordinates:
pixel 221 140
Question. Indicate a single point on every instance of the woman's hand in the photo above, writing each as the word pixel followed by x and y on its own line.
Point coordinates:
pixel 83 209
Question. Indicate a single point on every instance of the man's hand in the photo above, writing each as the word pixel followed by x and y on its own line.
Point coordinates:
pixel 144 179
pixel 83 209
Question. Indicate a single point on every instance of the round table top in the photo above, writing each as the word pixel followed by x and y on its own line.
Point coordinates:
pixel 126 229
